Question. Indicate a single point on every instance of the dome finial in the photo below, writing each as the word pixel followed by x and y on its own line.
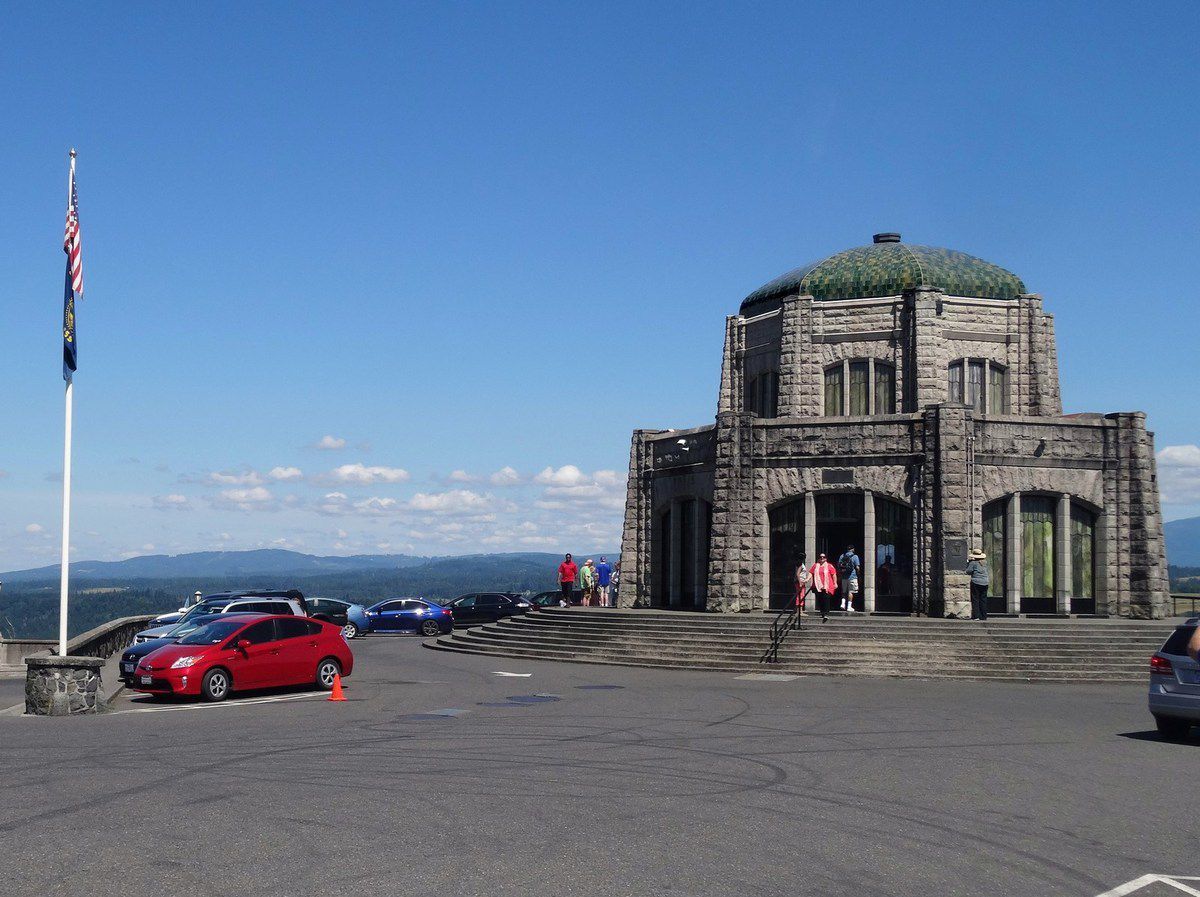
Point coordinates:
pixel 886 238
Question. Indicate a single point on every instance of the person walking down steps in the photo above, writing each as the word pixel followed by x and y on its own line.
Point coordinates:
pixel 825 583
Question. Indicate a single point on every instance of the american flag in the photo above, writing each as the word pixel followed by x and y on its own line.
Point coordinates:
pixel 71 240
pixel 73 282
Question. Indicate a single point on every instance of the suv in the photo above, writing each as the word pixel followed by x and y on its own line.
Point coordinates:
pixel 176 616
pixel 293 605
pixel 1175 684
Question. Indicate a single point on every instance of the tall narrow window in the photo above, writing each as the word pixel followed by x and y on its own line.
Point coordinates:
pixel 768 394
pixel 885 388
pixel 956 381
pixel 975 385
pixel 1037 546
pixel 997 397
pixel 994 547
pixel 1083 552
pixel 752 396
pixel 859 388
pixel 833 391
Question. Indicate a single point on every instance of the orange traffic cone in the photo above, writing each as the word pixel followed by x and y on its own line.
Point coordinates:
pixel 336 693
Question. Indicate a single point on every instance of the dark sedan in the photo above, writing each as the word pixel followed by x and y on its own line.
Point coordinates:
pixel 486 607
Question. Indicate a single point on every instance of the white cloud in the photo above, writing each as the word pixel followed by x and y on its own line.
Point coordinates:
pixel 330 443
pixel 256 498
pixel 172 502
pixel 567 475
pixel 505 476
pixel 1179 474
pixel 461 476
pixel 360 474
pixel 35 528
pixel 245 478
pixel 286 473
pixel 456 501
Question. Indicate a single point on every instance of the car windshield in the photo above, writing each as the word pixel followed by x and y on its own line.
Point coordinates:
pixel 202 610
pixel 212 633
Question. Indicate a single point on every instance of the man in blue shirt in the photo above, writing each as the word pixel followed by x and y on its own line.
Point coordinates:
pixel 848 567
pixel 604 572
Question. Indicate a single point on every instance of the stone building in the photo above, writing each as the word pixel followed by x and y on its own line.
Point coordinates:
pixel 903 399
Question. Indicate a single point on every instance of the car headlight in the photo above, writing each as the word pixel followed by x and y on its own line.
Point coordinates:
pixel 185 661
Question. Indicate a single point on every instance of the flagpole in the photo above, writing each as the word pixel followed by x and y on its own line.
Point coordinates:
pixel 64 577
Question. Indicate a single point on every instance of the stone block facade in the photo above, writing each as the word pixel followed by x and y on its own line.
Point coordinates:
pixel 917 426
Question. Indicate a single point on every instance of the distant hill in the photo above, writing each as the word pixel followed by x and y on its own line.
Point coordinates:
pixel 1183 542
pixel 259 562
pixel 103 591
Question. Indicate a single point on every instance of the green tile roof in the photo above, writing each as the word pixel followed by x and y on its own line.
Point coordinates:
pixel 887 268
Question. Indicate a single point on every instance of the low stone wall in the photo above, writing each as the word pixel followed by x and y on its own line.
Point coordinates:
pixel 63 686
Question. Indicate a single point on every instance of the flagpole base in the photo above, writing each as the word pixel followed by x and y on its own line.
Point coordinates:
pixel 62 686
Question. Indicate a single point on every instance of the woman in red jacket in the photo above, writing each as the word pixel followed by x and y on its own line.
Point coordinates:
pixel 825 584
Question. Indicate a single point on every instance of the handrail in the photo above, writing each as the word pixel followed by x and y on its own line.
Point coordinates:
pixel 1177 597
pixel 785 622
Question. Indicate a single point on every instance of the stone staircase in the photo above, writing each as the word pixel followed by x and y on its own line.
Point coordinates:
pixel 1049 650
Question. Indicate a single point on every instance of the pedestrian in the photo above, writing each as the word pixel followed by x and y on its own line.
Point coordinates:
pixel 978 571
pixel 616 584
pixel 848 567
pixel 803 583
pixel 567 571
pixel 604 580
pixel 587 581
pixel 825 583
pixel 1193 646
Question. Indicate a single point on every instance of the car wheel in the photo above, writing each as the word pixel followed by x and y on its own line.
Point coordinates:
pixel 431 627
pixel 350 631
pixel 1171 728
pixel 328 670
pixel 215 686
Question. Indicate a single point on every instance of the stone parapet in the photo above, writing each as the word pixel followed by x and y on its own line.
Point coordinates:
pixel 63 686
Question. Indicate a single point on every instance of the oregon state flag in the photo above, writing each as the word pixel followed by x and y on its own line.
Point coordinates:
pixel 73 287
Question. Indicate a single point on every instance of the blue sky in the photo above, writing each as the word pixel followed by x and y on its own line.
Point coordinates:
pixel 481 243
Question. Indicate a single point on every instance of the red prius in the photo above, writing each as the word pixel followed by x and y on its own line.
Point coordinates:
pixel 239 652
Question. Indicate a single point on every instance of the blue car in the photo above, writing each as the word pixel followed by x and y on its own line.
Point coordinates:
pixel 410 615
pixel 351 617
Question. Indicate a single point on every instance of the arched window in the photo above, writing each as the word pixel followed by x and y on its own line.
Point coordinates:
pixel 979 383
pixel 762 395
pixel 859 387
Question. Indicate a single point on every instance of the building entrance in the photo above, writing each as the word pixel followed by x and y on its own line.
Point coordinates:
pixel 840 524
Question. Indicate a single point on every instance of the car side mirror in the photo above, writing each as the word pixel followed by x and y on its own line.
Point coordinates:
pixel 243 644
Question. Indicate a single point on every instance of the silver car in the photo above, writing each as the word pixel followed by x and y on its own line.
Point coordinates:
pixel 1175 684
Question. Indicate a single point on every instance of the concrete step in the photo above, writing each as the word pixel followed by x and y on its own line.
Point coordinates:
pixel 450 643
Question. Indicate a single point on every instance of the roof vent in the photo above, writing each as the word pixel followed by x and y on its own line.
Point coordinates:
pixel 886 238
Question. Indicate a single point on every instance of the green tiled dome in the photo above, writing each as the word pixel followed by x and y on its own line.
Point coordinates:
pixel 887 267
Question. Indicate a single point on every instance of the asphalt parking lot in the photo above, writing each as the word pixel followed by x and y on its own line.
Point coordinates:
pixel 441 777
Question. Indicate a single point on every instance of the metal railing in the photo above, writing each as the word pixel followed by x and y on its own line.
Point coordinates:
pixel 785 622
pixel 1184 604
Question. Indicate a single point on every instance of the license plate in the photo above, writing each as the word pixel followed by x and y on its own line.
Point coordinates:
pixel 146 680
pixel 127 667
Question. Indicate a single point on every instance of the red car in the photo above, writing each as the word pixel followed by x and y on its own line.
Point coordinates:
pixel 246 651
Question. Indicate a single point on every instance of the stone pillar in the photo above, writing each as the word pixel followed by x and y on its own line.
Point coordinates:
pixel 735 551
pixel 729 397
pixel 675 586
pixel 62 686
pixel 1140 576
pixel 1012 552
pixel 796 359
pixel 951 504
pixel 637 535
pixel 927 372
pixel 868 558
pixel 810 533
pixel 1062 551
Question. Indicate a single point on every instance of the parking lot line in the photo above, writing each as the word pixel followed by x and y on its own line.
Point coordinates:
pixel 276 699
pixel 1174 881
pixel 515 675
